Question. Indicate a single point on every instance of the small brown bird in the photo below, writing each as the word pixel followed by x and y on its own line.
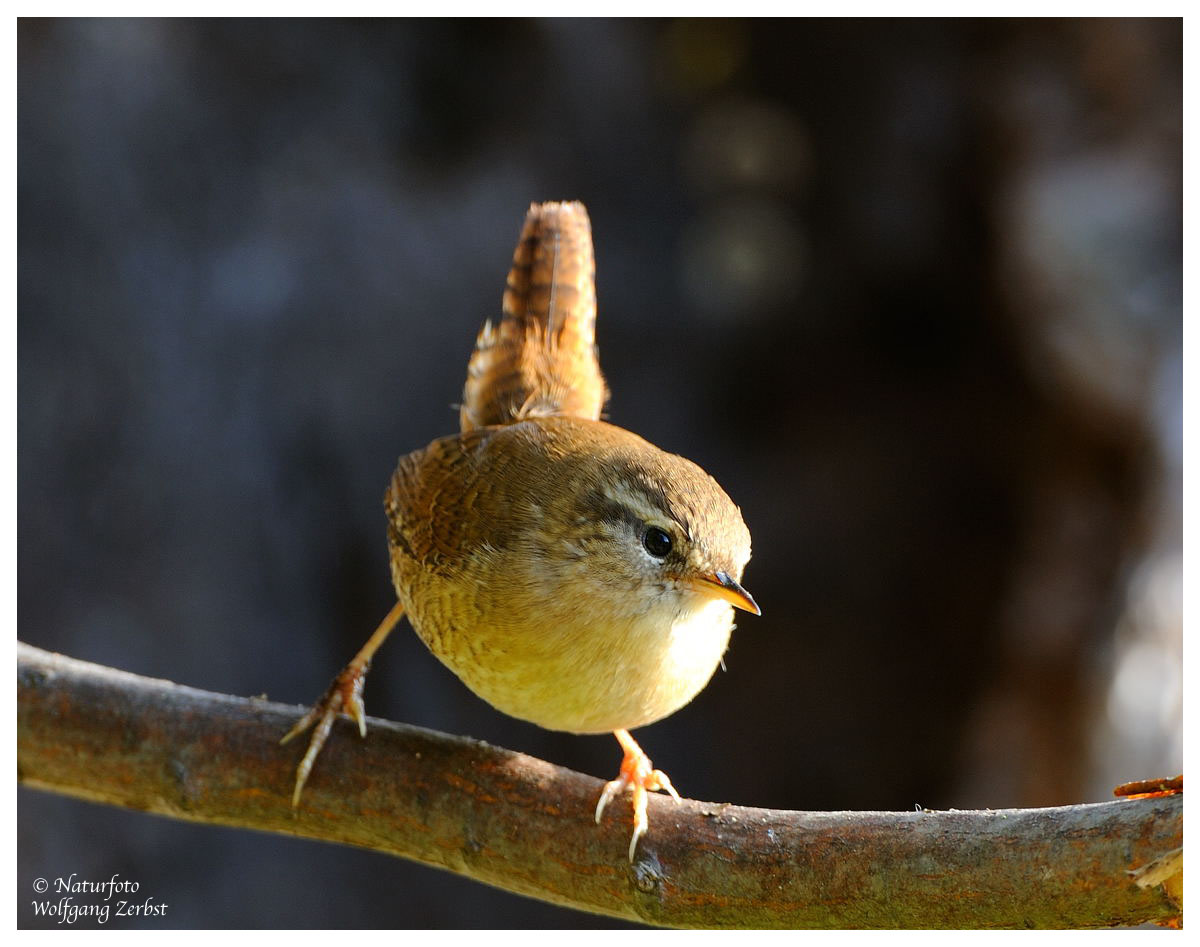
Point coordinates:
pixel 570 573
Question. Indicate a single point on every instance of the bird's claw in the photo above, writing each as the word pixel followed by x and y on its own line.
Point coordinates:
pixel 343 696
pixel 638 774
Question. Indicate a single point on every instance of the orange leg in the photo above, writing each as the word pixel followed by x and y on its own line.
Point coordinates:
pixel 638 774
pixel 344 695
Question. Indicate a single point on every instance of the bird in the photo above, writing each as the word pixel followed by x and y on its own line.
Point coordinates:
pixel 569 572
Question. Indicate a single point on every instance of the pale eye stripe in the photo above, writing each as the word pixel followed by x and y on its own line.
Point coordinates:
pixel 645 506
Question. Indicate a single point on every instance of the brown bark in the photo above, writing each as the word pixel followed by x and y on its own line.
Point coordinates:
pixel 521 824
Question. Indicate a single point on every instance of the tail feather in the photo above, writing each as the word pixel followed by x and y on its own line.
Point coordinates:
pixel 540 358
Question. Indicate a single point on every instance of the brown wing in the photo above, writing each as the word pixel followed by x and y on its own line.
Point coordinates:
pixel 540 359
pixel 427 503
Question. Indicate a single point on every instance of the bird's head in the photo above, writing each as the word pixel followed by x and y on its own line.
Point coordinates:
pixel 660 527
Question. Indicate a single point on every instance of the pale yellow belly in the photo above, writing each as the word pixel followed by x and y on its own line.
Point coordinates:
pixel 578 673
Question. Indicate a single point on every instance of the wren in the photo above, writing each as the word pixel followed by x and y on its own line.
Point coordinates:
pixel 567 571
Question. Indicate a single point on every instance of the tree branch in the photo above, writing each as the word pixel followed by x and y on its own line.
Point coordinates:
pixel 521 824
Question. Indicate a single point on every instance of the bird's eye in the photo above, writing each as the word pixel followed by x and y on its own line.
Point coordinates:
pixel 657 542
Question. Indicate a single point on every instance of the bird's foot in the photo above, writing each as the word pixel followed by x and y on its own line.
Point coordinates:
pixel 638 774
pixel 343 696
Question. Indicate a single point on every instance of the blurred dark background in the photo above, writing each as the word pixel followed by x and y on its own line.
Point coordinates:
pixel 910 290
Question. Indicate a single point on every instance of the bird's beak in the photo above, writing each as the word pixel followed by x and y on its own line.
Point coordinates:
pixel 722 585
